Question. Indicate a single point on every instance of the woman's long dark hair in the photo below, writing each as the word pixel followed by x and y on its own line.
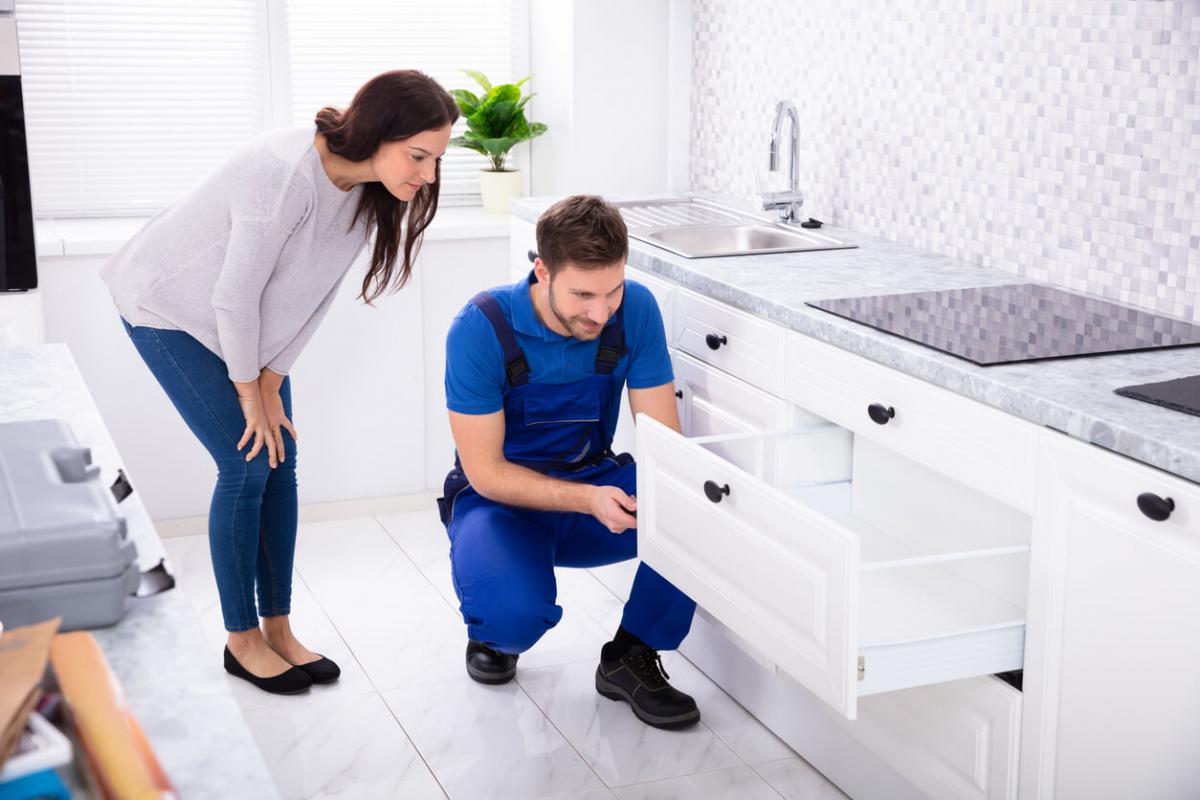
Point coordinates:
pixel 394 105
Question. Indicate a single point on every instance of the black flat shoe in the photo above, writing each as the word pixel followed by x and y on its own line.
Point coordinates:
pixel 294 681
pixel 322 671
pixel 489 666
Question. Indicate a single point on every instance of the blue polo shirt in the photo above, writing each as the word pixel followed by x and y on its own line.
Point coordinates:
pixel 475 379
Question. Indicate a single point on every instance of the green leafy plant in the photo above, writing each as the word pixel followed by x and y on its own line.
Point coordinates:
pixel 495 120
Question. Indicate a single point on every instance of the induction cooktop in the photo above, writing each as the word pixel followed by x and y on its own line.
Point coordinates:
pixel 1020 322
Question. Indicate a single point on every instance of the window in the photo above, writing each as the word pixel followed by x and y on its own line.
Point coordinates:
pixel 331 55
pixel 130 103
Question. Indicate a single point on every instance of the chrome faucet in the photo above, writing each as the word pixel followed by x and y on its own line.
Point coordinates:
pixel 787 203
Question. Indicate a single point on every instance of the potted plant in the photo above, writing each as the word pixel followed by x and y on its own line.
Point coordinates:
pixel 495 122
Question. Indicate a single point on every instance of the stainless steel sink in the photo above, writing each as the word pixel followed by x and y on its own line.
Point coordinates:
pixel 701 229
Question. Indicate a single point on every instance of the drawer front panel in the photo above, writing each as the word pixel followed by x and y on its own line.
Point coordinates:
pixel 738 343
pixel 979 446
pixel 775 572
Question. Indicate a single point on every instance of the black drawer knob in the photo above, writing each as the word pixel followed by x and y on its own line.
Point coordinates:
pixel 714 342
pixel 679 393
pixel 714 492
pixel 532 256
pixel 1155 507
pixel 880 414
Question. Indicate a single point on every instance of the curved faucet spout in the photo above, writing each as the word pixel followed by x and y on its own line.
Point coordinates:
pixel 788 203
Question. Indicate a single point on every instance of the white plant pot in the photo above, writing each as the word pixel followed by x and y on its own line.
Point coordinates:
pixel 498 189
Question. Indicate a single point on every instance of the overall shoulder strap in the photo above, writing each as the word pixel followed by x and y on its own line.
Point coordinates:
pixel 612 344
pixel 516 368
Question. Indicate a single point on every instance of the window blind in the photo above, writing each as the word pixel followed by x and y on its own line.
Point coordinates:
pixel 129 103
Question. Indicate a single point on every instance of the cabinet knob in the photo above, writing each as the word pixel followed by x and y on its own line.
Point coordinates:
pixel 714 492
pixel 1155 507
pixel 880 414
pixel 714 342
pixel 679 393
pixel 532 256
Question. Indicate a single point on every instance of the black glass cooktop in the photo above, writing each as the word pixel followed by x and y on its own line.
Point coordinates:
pixel 1021 322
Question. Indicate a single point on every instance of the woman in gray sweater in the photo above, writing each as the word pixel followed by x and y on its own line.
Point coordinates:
pixel 222 290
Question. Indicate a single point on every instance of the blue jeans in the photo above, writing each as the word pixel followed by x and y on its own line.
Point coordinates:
pixel 253 515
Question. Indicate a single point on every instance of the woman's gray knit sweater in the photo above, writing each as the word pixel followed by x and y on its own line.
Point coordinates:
pixel 249 261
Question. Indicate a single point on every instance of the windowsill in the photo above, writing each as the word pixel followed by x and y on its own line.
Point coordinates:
pixel 103 236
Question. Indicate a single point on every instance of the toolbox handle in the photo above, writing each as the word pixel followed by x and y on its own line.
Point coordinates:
pixel 74 464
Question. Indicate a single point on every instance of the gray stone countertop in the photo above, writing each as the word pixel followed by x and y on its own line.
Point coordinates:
pixel 157 651
pixel 1072 395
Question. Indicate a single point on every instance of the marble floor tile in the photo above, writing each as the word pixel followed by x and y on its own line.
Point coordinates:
pixel 579 588
pixel 490 741
pixel 422 537
pixel 618 578
pixel 796 779
pixel 739 783
pixel 193 571
pixel 356 749
pixel 734 725
pixel 618 746
pixel 400 629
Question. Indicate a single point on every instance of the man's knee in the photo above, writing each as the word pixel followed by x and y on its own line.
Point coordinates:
pixel 507 615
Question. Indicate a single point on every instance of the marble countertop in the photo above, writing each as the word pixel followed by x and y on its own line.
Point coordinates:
pixel 1072 395
pixel 157 651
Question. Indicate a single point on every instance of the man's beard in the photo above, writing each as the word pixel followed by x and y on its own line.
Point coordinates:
pixel 574 325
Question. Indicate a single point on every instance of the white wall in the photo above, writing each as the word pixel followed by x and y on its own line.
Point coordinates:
pixel 1057 140
pixel 612 83
pixel 367 392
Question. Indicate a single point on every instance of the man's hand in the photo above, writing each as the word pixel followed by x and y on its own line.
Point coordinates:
pixel 613 508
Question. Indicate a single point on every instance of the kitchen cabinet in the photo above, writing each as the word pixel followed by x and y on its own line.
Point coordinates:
pixel 1115 628
pixel 867 549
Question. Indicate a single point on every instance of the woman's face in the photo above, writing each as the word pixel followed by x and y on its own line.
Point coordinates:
pixel 405 165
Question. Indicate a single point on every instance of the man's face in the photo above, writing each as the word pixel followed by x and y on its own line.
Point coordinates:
pixel 583 300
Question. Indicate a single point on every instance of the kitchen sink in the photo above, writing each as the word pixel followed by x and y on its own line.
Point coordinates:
pixel 697 228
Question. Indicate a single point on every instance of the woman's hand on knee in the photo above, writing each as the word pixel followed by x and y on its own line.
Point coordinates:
pixel 257 428
pixel 277 421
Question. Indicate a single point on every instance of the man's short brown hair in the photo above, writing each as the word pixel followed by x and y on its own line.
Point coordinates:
pixel 583 231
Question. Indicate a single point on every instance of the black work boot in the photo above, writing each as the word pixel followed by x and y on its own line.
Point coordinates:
pixel 637 677
pixel 489 666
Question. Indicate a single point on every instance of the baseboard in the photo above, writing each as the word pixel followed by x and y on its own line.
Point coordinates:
pixel 315 512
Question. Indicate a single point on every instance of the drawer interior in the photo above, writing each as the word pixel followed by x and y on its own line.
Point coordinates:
pixel 942 568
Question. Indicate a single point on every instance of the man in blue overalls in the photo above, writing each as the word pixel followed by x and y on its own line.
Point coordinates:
pixel 534 373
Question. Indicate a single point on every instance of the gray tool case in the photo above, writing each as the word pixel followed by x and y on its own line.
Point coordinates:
pixel 64 547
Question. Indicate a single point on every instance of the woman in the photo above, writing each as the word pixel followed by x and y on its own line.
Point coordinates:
pixel 221 291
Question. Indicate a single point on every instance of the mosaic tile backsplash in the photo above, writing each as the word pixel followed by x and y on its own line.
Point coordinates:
pixel 1055 139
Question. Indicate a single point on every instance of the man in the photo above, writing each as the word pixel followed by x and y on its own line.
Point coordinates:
pixel 534 373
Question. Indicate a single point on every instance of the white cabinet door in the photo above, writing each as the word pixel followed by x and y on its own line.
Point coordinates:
pixel 953 740
pixel 1114 628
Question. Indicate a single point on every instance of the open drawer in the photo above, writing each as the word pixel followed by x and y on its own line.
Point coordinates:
pixel 808 576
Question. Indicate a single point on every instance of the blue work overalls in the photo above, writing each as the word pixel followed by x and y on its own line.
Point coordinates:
pixel 503 557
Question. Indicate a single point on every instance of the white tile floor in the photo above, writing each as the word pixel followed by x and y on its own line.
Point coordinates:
pixel 374 594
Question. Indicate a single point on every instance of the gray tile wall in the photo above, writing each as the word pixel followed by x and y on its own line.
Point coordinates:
pixel 1056 139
